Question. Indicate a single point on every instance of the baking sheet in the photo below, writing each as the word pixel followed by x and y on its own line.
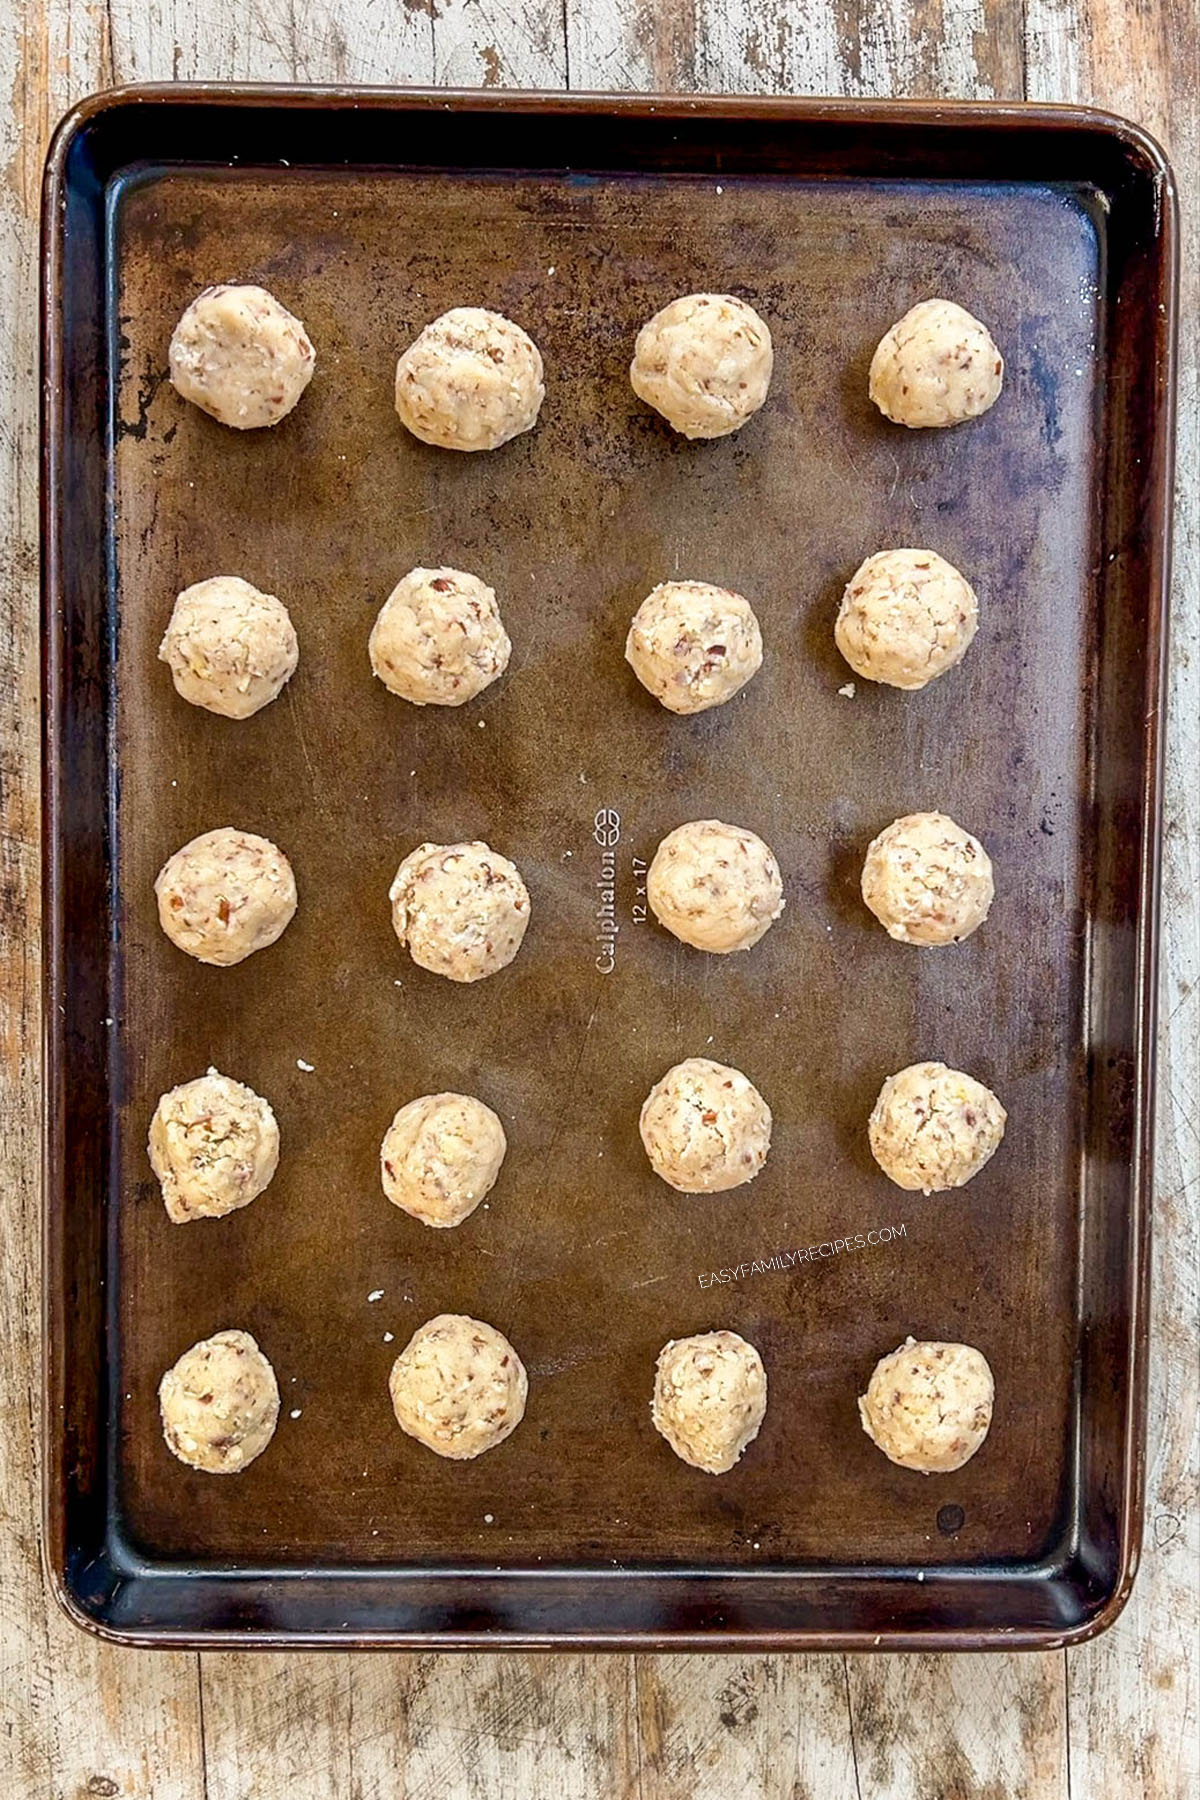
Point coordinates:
pixel 581 1256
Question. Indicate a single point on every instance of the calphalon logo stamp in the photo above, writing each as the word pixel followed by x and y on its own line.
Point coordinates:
pixel 606 829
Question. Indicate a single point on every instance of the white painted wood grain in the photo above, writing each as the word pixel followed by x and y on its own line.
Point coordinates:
pixel 948 1725
pixel 771 1727
pixel 772 49
pixel 378 42
pixel 419 1728
pixel 968 49
pixel 492 43
pixel 632 44
pixel 1055 51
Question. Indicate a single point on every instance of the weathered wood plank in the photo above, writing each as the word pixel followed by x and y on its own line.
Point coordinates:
pixel 960 1726
pixel 798 46
pixel 269 40
pixel 774 1727
pixel 419 1728
pixel 632 44
pixel 488 43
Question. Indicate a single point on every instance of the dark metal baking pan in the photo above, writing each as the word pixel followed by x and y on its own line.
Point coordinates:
pixel 369 213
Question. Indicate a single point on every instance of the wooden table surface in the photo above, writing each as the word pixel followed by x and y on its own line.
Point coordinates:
pixel 1115 1718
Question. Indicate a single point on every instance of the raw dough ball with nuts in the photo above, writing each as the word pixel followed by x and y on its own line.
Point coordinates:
pixel 928 1406
pixel 936 366
pixel 693 646
pixel 933 1128
pixel 471 381
pixel 461 909
pixel 706 1127
pixel 710 1396
pixel 439 639
pixel 458 1386
pixel 715 886
pixel 906 617
pixel 219 1404
pixel 241 356
pixel 225 895
pixel 704 363
pixel 927 880
pixel 229 647
pixel 214 1146
pixel 441 1156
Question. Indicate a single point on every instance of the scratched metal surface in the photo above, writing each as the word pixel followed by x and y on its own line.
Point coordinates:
pixel 582 1257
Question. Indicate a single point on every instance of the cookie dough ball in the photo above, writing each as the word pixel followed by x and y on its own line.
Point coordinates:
pixel 927 880
pixel 229 647
pixel 710 1396
pixel 906 617
pixel 715 886
pixel 461 909
pixel 928 1406
pixel 934 1128
pixel 441 1156
pixel 936 366
pixel 693 646
pixel 471 381
pixel 225 895
pixel 439 639
pixel 214 1146
pixel 241 356
pixel 706 1127
pixel 704 363
pixel 219 1404
pixel 458 1386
